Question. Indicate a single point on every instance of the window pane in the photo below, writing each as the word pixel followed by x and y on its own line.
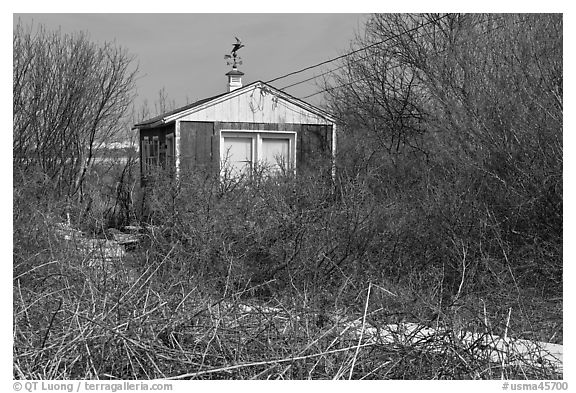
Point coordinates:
pixel 238 155
pixel 275 153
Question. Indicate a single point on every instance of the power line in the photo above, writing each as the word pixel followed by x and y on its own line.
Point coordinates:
pixel 365 57
pixel 334 69
pixel 335 87
pixel 355 60
pixel 362 58
pixel 314 77
pixel 357 50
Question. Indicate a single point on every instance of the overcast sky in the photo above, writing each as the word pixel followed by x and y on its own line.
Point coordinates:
pixel 184 53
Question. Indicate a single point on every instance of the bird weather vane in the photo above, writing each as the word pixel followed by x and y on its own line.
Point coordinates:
pixel 233 59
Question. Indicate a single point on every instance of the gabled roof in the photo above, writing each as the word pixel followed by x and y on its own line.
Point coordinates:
pixel 158 120
pixel 171 116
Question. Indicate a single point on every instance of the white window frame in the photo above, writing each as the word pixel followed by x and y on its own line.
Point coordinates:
pixel 257 136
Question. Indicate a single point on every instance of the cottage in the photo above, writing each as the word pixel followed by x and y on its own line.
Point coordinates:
pixel 246 129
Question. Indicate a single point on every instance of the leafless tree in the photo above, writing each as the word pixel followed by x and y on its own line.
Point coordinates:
pixel 481 96
pixel 69 96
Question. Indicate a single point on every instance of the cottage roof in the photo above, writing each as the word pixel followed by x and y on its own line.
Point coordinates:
pixel 158 119
pixel 171 116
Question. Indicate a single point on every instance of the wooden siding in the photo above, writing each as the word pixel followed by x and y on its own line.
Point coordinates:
pixel 200 142
pixel 196 145
pixel 256 105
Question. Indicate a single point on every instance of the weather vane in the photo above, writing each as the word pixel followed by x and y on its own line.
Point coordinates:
pixel 234 59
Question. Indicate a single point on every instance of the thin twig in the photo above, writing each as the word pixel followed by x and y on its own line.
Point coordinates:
pixel 361 331
pixel 464 252
pixel 264 362
pixel 385 290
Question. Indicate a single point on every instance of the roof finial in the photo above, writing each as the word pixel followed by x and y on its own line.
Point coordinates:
pixel 234 59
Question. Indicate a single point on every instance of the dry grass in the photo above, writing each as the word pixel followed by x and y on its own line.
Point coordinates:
pixel 271 281
pixel 76 321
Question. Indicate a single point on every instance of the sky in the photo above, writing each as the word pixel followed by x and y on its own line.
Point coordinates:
pixel 184 53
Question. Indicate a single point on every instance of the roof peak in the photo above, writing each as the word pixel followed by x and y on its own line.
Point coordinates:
pixel 161 119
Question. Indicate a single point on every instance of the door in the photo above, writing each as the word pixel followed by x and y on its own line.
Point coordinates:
pixel 170 153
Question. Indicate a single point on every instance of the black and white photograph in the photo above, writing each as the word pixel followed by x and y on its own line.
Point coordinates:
pixel 287 196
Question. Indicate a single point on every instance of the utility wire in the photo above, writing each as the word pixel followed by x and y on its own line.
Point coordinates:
pixel 346 65
pixel 367 56
pixel 332 70
pixel 335 87
pixel 362 58
pixel 358 50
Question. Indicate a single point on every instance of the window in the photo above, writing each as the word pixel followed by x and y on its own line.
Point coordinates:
pixel 244 153
pixel 239 155
pixel 150 153
pixel 156 155
pixel 275 154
